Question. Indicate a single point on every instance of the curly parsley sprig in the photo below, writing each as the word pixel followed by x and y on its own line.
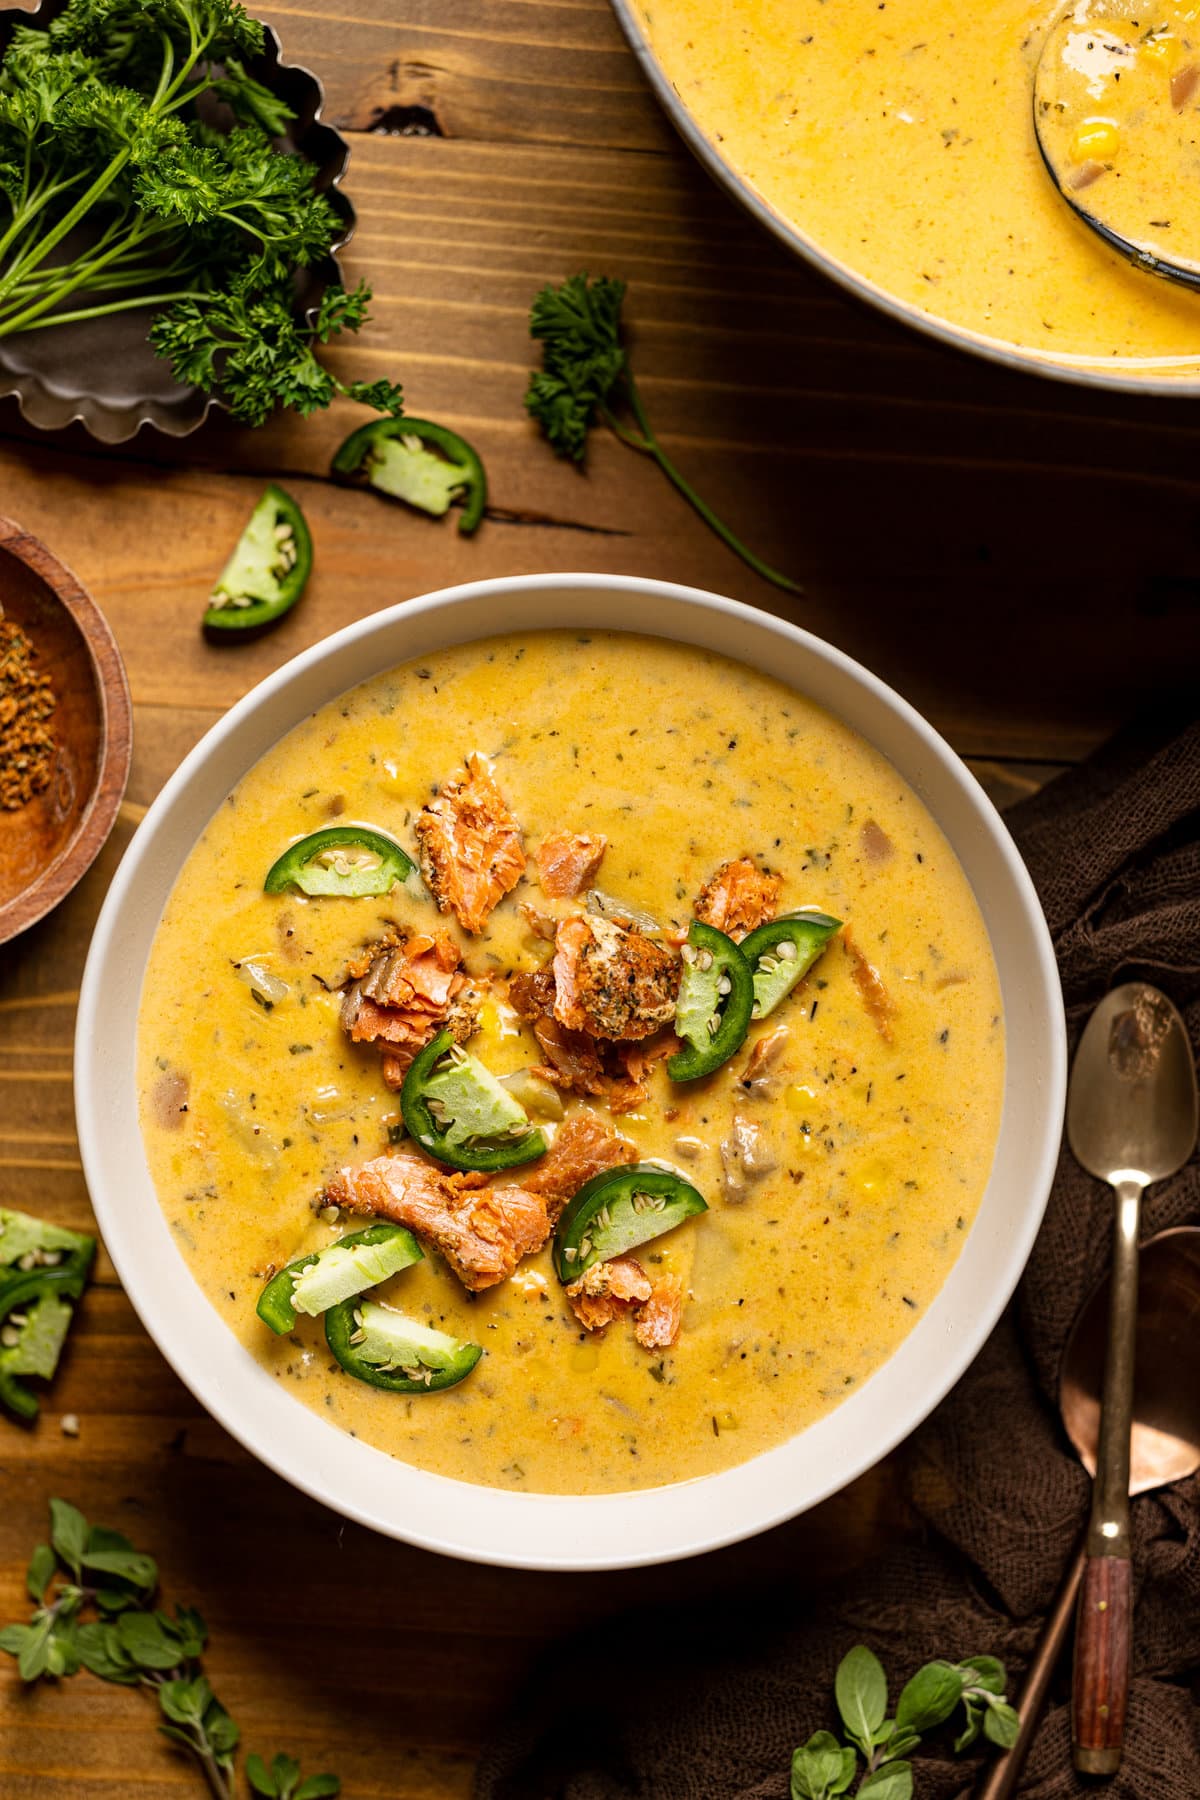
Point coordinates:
pixel 93 1597
pixel 115 194
pixel 585 376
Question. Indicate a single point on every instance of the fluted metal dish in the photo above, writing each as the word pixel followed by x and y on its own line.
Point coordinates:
pixel 102 372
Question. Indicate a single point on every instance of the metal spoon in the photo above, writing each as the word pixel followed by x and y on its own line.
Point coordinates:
pixel 1115 101
pixel 1131 1120
pixel 1164 1447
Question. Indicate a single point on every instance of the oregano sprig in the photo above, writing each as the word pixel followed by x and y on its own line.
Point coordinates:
pixel 824 1768
pixel 124 1638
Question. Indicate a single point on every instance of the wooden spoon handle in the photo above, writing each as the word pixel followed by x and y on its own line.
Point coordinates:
pixel 1101 1682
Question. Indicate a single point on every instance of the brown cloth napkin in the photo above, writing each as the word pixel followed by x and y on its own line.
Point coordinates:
pixel 710 1706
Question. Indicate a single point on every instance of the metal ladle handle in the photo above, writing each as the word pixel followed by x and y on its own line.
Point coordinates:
pixel 1000 1778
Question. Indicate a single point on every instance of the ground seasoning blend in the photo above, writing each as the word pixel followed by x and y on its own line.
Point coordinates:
pixel 26 706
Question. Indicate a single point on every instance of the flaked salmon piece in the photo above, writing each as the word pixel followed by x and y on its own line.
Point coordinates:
pixel 583 1146
pixel 612 982
pixel 404 988
pixel 579 1063
pixel 628 1083
pixel 470 846
pixel 572 1058
pixel 482 1231
pixel 656 1322
pixel 606 1290
pixel 567 863
pixel 739 898
pixel 881 1008
pixel 761 1077
pixel 541 924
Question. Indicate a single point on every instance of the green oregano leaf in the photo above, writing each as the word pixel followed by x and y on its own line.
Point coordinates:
pixel 985 1672
pixel 930 1697
pixel 260 1780
pixel 861 1692
pixel 185 1701
pixel 1001 1723
pixel 32 1657
pixel 127 1565
pixel 899 1744
pixel 318 1787
pixel 69 1535
pixel 971 1729
pixel 42 1565
pixel 893 1782
pixel 220 1729
pixel 190 1630
pixel 12 1639
pixel 286 1771
pixel 819 1768
pixel 101 1654
pixel 142 1638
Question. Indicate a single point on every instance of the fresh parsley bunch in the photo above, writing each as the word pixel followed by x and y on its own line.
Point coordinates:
pixel 823 1768
pixel 585 377
pixel 93 1597
pixel 114 193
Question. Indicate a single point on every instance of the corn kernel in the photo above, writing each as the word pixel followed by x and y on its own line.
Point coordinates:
pixel 798 1098
pixel 585 1358
pixel 1096 140
pixel 1162 48
pixel 873 1176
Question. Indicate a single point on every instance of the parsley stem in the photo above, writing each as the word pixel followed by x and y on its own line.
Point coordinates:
pixel 649 445
pixel 30 322
pixel 68 222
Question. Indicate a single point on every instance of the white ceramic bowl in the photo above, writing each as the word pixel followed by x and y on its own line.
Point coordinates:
pixel 531 1530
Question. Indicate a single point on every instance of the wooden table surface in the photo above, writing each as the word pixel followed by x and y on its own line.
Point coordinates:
pixel 1021 559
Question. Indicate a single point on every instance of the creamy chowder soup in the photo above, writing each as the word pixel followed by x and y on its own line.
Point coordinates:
pixel 898 138
pixel 842 1149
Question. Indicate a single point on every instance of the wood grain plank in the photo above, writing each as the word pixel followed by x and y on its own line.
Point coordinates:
pixel 911 490
pixel 550 71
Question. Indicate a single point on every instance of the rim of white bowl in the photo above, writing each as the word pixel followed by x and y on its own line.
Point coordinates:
pixel 1078 371
pixel 492 1525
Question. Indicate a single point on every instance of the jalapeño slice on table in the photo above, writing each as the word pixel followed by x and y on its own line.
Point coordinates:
pixel 780 952
pixel 619 1209
pixel 312 1284
pixel 380 1346
pixel 421 463
pixel 43 1269
pixel 458 1111
pixel 269 567
pixel 352 860
pixel 716 996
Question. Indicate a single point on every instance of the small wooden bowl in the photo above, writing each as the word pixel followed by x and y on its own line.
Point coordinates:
pixel 49 843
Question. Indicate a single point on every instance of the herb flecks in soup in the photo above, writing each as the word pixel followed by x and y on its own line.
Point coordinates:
pixel 639 1118
pixel 899 139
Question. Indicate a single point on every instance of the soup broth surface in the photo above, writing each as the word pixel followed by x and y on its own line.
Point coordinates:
pixel 881 1150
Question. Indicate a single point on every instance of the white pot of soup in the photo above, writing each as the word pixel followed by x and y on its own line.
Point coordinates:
pixel 443 934
pixel 894 147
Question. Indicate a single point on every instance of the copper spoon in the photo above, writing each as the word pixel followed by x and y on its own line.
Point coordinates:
pixel 1164 1446
pixel 1114 111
